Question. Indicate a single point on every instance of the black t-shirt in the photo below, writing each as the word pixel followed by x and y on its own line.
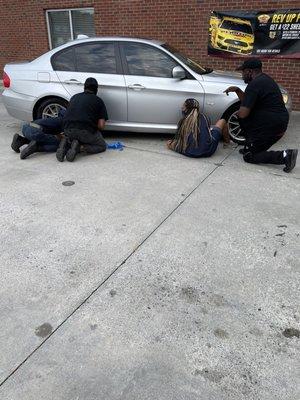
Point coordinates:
pixel 84 111
pixel 268 114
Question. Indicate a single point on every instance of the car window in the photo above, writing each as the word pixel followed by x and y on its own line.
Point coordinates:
pixel 187 61
pixel 96 57
pixel 64 61
pixel 148 61
pixel 234 26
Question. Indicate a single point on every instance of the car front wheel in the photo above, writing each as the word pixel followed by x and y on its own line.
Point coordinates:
pixel 235 131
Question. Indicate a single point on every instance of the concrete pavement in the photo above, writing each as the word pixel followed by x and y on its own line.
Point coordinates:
pixel 153 277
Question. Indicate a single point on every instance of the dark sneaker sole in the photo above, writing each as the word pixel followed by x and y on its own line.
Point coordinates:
pixel 60 155
pixel 293 162
pixel 72 152
pixel 61 151
pixel 243 151
pixel 14 144
pixel 30 149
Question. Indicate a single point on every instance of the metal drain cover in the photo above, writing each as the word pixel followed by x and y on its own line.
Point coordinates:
pixel 68 183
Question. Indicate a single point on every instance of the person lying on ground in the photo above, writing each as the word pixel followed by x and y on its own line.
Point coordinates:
pixel 41 135
pixel 195 137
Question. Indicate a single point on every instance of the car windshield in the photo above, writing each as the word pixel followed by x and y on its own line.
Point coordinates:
pixel 187 61
pixel 234 26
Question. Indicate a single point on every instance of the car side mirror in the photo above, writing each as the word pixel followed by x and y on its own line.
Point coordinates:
pixel 178 73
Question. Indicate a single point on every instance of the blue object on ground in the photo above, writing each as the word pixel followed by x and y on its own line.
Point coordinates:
pixel 115 146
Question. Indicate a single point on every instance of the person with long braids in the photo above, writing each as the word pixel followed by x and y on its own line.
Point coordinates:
pixel 195 137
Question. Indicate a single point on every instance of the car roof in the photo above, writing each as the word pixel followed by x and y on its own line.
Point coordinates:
pixel 116 38
pixel 101 38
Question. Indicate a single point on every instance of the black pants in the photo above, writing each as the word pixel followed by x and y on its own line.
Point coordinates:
pixel 259 142
pixel 92 142
pixel 257 151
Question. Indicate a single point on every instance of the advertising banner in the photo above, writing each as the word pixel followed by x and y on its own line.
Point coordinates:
pixel 273 33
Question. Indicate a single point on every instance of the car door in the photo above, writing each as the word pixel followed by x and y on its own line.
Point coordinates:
pixel 154 96
pixel 100 60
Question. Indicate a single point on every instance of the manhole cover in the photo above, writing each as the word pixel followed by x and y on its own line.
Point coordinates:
pixel 68 183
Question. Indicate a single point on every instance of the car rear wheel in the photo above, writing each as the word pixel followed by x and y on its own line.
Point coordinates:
pixel 235 132
pixel 50 107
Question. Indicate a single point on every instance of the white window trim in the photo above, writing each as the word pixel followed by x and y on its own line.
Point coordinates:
pixel 70 20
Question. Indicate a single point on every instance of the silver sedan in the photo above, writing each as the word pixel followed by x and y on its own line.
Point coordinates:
pixel 142 82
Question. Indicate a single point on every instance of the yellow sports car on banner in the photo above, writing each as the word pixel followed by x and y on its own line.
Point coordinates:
pixel 237 33
pixel 231 34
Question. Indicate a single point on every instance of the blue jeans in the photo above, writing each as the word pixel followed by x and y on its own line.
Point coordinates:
pixel 45 141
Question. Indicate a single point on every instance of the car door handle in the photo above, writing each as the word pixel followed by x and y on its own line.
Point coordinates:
pixel 136 86
pixel 74 82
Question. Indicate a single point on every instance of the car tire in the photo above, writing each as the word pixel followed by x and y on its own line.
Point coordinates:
pixel 50 107
pixel 235 132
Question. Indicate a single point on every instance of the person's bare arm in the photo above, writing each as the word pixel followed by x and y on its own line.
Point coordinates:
pixel 243 112
pixel 240 94
pixel 101 124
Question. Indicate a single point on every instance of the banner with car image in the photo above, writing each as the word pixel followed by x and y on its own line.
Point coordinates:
pixel 255 33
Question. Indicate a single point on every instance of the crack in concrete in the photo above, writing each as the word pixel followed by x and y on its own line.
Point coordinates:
pixel 85 300
pixel 179 156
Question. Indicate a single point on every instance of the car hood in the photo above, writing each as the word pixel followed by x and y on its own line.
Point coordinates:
pixel 228 77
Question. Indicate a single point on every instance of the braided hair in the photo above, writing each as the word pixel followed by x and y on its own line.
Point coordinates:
pixel 188 124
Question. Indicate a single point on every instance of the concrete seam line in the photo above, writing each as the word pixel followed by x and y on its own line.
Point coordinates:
pixel 114 270
pixel 155 152
pixel 173 154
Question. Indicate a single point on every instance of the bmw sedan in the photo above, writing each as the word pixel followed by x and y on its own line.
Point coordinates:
pixel 142 82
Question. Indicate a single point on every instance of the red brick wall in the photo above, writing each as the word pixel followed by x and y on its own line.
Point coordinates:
pixel 182 23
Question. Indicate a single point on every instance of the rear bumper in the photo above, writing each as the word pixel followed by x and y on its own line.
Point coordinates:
pixel 18 105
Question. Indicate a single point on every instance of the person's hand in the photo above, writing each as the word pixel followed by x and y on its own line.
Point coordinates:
pixel 169 144
pixel 231 89
pixel 60 136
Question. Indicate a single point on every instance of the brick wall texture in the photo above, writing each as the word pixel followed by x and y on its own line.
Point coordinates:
pixel 181 23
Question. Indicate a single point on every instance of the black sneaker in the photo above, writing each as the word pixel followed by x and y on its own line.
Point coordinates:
pixel 73 151
pixel 30 149
pixel 62 149
pixel 244 150
pixel 17 142
pixel 290 159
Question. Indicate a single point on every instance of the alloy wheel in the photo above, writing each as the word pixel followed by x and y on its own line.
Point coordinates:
pixel 235 130
pixel 52 110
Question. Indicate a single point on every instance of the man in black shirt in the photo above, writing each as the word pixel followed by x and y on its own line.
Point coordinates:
pixel 85 116
pixel 263 117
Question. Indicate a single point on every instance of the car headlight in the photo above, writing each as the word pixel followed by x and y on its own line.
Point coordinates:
pixel 285 97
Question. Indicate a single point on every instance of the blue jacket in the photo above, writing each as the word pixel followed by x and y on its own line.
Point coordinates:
pixel 52 126
pixel 202 146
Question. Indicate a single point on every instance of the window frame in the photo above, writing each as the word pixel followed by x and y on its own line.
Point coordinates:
pixel 125 63
pixel 70 20
pixel 73 46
